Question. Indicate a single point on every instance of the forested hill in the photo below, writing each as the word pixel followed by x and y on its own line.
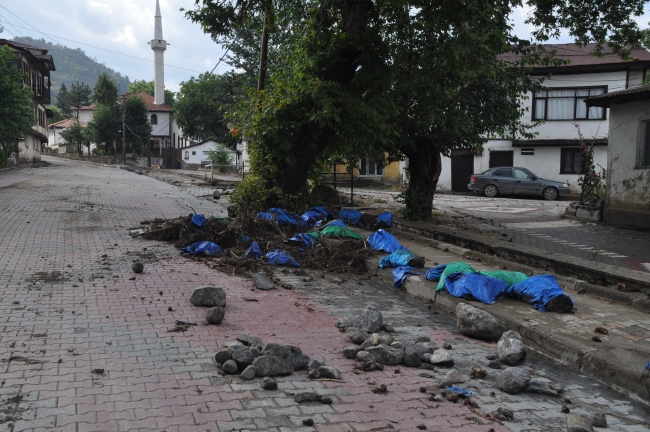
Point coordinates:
pixel 74 65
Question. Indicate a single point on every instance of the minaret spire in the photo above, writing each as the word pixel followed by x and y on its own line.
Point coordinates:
pixel 158 45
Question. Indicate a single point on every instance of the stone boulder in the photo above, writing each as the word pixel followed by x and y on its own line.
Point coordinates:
pixel 244 357
pixel 215 315
pixel 442 358
pixel 386 355
pixel 365 357
pixel 513 380
pixel 230 367
pixel 511 349
pixel 277 350
pixel 270 365
pixel 576 423
pixel 250 341
pixel 452 377
pixel 412 360
pixel 476 323
pixel 350 352
pixel 369 321
pixel 356 335
pixel 425 347
pixel 223 356
pixel 208 296
pixel 262 282
pixel 248 373
pixel 299 361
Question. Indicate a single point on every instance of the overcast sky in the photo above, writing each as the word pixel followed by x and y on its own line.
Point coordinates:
pixel 126 26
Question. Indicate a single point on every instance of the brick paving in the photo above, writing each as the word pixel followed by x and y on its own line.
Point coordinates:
pixel 89 348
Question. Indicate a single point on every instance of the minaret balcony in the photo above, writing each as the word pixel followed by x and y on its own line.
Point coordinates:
pixel 158 44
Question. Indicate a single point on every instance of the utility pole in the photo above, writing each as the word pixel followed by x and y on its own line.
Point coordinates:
pixel 124 127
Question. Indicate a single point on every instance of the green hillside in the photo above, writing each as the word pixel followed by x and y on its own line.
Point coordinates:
pixel 74 65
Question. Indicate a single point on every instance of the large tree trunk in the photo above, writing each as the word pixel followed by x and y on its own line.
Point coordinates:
pixel 425 165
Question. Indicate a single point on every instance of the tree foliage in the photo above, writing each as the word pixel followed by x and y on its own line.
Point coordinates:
pixel 149 88
pixel 16 115
pixel 203 104
pixel 415 79
pixel 76 134
pixel 58 115
pixel 79 95
pixel 138 128
pixel 106 125
pixel 105 91
pixel 219 156
pixel 63 102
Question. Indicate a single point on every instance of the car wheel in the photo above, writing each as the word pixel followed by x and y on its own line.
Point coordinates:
pixel 550 194
pixel 490 191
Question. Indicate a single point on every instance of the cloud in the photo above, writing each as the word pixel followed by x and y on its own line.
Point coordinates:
pixel 126 36
pixel 95 5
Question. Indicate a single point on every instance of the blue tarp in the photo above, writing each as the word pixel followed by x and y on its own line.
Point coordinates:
pixel 387 218
pixel 401 273
pixel 397 258
pixel 461 391
pixel 483 288
pixel 264 216
pixel 304 240
pixel 536 290
pixel 336 222
pixel 453 267
pixel 253 252
pixel 314 216
pixel 204 247
pixel 243 238
pixel 384 241
pixel 281 257
pixel 435 273
pixel 283 217
pixel 351 217
pixel 198 220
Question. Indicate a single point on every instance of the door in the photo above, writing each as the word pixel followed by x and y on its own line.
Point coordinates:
pixel 504 180
pixel 462 168
pixel 501 158
pixel 525 182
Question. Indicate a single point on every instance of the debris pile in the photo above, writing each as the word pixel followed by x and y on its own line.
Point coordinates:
pixel 251 358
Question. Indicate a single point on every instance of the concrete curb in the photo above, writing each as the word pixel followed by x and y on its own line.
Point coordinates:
pixel 556 263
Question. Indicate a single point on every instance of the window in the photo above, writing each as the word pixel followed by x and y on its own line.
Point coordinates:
pixel 193 153
pixel 572 161
pixel 368 167
pixel 527 151
pixel 503 172
pixel 644 148
pixel 154 119
pixel 523 174
pixel 187 155
pixel 567 104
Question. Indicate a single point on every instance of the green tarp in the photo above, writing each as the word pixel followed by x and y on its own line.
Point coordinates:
pixel 509 277
pixel 340 232
pixel 455 267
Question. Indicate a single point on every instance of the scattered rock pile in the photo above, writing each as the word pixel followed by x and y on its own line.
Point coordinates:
pixel 212 297
pixel 251 358
pixel 477 323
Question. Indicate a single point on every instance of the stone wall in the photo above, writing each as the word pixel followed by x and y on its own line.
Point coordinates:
pixel 109 160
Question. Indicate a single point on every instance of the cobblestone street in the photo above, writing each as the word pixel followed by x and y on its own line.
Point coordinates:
pixel 86 343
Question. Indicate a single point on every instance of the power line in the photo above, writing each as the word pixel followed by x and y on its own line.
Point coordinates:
pixel 222 57
pixel 28 23
pixel 12 24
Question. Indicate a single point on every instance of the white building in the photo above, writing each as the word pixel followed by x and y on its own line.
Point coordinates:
pixel 56 141
pixel 554 154
pixel 194 155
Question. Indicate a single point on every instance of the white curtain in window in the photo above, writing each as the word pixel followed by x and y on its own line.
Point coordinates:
pixel 540 106
pixel 560 104
pixel 596 112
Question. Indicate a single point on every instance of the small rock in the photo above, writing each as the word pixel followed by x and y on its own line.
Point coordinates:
pixel 329 372
pixel 513 380
pixel 576 423
pixel 137 267
pixel 596 339
pixel 491 357
pixel 208 296
pixel 216 194
pixel 494 364
pixel 508 414
pixel 326 400
pixel 343 323
pixel 308 422
pixel 411 360
pixel 422 339
pixel 230 367
pixel 601 330
pixel 277 350
pixel 511 349
pixel 381 389
pixel 269 366
pixel 250 341
pixel 425 347
pixel 447 346
pixel 386 355
pixel 370 320
pixel 442 358
pixel 215 315
pixel 223 356
pixel 366 343
pixel 599 420
pixel 397 345
pixel 317 363
pixel 350 352
pixel 472 403
pixel 421 426
pixel 356 335
pixel 299 361
pixel 262 282
pixel 477 323
pixel 306 397
pixel 248 373
pixel 452 377
pixel 388 327
pixel 437 398
pixel 565 409
pixel 452 396
pixel 423 389
pixel 478 372
pixel 536 385
pixel 365 357
pixel 269 383
pixel 243 357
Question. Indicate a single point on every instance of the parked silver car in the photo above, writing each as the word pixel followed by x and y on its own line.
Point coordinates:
pixel 518 181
